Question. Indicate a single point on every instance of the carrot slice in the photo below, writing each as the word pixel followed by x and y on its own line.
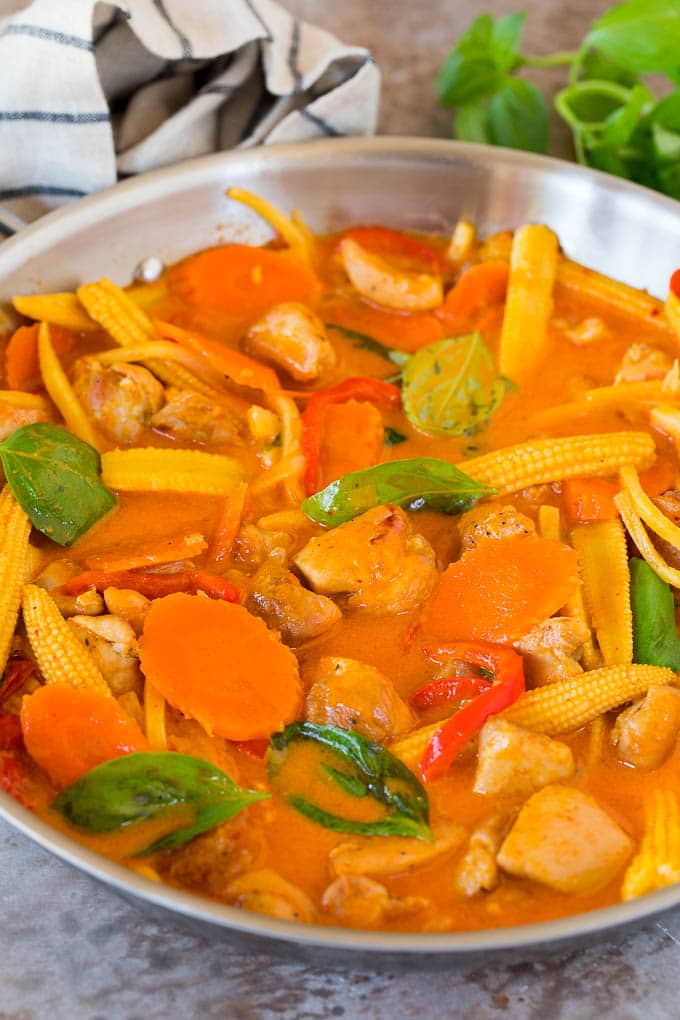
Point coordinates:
pixel 243 370
pixel 70 730
pixel 403 331
pixel 216 663
pixel 22 365
pixel 481 285
pixel 228 524
pixel 242 280
pixel 353 438
pixel 501 589
pixel 587 500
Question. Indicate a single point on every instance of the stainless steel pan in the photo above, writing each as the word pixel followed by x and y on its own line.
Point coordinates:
pixel 623 230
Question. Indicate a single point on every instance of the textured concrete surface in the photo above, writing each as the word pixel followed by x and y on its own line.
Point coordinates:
pixel 72 950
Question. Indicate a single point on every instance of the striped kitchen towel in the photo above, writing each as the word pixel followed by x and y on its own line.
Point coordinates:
pixel 91 92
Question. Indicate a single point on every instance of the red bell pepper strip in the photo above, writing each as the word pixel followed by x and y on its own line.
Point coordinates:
pixel 254 748
pixel 375 391
pixel 156 585
pixel 11 737
pixel 508 669
pixel 447 689
pixel 12 777
pixel 674 285
pixel 383 241
pixel 17 672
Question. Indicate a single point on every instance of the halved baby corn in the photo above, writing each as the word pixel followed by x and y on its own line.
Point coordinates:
pixel 62 309
pixel 15 529
pixel 528 306
pixel 657 862
pixel 60 390
pixel 60 655
pixel 295 236
pixel 640 537
pixel 550 460
pixel 151 469
pixel 603 562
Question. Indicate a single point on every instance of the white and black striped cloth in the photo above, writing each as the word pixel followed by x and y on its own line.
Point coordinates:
pixel 91 92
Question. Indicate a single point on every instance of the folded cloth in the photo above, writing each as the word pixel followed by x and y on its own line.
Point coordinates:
pixel 91 92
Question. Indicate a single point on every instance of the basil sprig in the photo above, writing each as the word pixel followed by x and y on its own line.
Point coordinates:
pixel 451 387
pixel 418 483
pixel 147 784
pixel 368 770
pixel 618 124
pixel 655 635
pixel 56 479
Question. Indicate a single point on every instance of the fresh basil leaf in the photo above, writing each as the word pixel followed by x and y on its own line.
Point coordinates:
pixel 464 79
pixel 417 484
pixel 506 36
pixel 56 478
pixel 667 112
pixel 394 438
pixel 472 122
pixel 641 35
pixel 372 771
pixel 369 343
pixel 666 144
pixel 518 116
pixel 593 64
pixel 144 785
pixel 451 386
pixel 618 128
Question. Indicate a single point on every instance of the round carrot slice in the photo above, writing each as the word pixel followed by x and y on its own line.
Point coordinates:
pixel 70 730
pixel 501 589
pixel 216 663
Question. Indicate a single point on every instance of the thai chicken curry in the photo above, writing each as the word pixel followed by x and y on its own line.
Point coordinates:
pixel 338 576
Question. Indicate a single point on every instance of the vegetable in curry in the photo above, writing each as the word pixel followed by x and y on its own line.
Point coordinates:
pixel 338 576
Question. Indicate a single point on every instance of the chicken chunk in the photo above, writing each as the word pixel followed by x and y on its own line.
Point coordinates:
pixel 121 398
pixel 292 337
pixel 254 545
pixel 512 761
pixel 641 362
pixel 355 696
pixel 13 418
pixel 552 648
pixel 362 903
pixel 392 855
pixel 130 605
pixel 492 520
pixel 380 281
pixel 375 560
pixel 266 892
pixel 564 839
pixel 645 734
pixel 113 645
pixel 285 605
pixel 477 870
pixel 669 504
pixel 188 415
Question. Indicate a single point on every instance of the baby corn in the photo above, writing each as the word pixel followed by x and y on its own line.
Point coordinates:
pixel 59 309
pixel 60 655
pixel 657 863
pixel 149 469
pixel 60 390
pixel 570 704
pixel 15 529
pixel 603 562
pixel 550 460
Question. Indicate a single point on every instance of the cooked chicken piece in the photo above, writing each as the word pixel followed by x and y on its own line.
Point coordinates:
pixel 356 696
pixel 265 892
pixel 380 281
pixel 214 859
pixel 113 645
pixel 285 605
pixel 13 418
pixel 130 605
pixel 188 415
pixel 645 734
pixel 254 545
pixel 264 426
pixel 121 398
pixel 362 903
pixel 641 362
pixel 292 337
pixel 88 603
pixel 514 762
pixel 477 870
pixel 391 855
pixel 669 504
pixel 492 520
pixel 375 560
pixel 564 839
pixel 588 331
pixel 552 648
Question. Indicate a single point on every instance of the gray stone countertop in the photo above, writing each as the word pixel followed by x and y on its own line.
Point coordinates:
pixel 71 949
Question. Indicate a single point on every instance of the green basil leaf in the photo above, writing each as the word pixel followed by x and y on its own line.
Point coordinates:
pixel 667 112
pixel 56 478
pixel 369 343
pixel 451 386
pixel 144 785
pixel 594 64
pixel 394 438
pixel 372 771
pixel 666 144
pixel 417 484
pixel 518 116
pixel 655 635
pixel 619 127
pixel 464 79
pixel 506 36
pixel 641 35
pixel 472 122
